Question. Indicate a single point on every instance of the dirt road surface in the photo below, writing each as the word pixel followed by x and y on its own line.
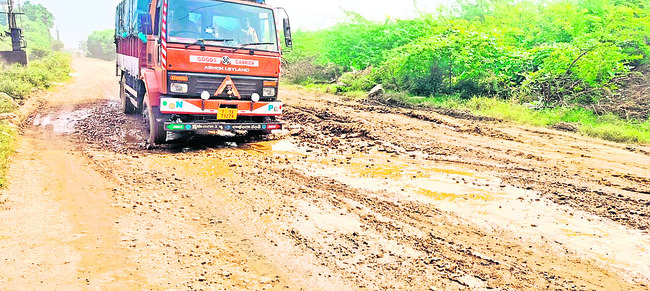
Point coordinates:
pixel 354 195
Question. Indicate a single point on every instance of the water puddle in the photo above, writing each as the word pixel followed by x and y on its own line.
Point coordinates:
pixel 484 201
pixel 64 122
pixel 276 146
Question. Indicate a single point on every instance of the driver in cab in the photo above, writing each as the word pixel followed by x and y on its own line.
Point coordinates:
pixel 182 25
pixel 248 33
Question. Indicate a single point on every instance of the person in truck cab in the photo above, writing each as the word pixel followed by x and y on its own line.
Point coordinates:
pixel 181 24
pixel 248 33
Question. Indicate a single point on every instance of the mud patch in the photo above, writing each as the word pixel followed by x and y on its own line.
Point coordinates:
pixel 490 204
pixel 61 122
pixel 107 127
pixel 104 126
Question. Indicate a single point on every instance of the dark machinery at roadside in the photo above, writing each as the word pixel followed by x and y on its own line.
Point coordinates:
pixel 18 44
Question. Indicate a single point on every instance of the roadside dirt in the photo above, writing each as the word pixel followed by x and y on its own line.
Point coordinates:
pixel 354 195
pixel 633 100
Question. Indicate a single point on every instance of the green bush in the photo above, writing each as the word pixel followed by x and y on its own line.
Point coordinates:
pixel 18 81
pixel 309 71
pixel 566 51
pixel 356 81
pixel 6 149
pixel 15 88
pixel 358 43
pixel 7 104
pixel 37 23
pixel 304 64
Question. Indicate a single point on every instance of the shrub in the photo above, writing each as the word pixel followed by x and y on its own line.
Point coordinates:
pixel 566 51
pixel 18 82
pixel 356 81
pixel 308 71
pixel 7 104
pixel 6 149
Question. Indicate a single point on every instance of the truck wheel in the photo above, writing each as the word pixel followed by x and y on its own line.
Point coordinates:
pixel 127 106
pixel 155 126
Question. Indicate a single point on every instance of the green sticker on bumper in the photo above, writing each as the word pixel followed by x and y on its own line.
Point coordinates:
pixel 175 127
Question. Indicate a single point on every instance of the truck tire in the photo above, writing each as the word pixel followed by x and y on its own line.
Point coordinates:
pixel 155 126
pixel 127 106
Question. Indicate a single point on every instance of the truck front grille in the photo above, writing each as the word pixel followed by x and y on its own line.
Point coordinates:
pixel 246 87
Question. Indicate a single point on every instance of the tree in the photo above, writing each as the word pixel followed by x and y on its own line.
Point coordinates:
pixel 101 44
pixel 36 25
pixel 38 13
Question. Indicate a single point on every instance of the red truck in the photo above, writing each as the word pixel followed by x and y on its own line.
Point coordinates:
pixel 200 66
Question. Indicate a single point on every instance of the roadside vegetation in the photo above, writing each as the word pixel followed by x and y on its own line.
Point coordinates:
pixel 18 81
pixel 47 66
pixel 7 133
pixel 533 62
pixel 101 45
pixel 6 149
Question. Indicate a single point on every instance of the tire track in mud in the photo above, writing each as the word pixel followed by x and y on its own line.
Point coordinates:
pixel 563 185
pixel 237 213
pixel 169 233
pixel 452 254
pixel 442 260
pixel 435 248
pixel 396 244
pixel 178 237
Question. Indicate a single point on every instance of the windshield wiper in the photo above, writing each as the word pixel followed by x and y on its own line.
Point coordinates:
pixel 201 42
pixel 254 43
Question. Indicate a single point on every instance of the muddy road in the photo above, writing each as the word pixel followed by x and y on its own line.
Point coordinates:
pixel 354 195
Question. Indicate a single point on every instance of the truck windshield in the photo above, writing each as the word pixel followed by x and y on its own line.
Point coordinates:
pixel 221 24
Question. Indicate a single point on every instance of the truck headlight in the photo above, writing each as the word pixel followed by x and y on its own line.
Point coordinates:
pixel 268 92
pixel 178 88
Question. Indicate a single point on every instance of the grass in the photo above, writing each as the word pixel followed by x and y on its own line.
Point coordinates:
pixel 608 127
pixel 7 134
pixel 18 81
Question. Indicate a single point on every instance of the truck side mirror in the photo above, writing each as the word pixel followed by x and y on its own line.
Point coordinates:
pixel 287 33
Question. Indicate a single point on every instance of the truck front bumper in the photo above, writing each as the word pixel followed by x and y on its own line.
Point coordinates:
pixel 209 128
pixel 211 107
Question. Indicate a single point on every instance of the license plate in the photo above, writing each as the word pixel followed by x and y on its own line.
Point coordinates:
pixel 227 114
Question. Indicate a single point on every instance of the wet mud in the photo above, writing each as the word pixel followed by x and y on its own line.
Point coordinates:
pixel 352 195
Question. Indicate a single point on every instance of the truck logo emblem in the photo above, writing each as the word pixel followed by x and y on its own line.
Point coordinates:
pixel 225 60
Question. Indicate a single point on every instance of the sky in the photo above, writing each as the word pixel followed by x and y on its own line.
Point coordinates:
pixel 76 19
